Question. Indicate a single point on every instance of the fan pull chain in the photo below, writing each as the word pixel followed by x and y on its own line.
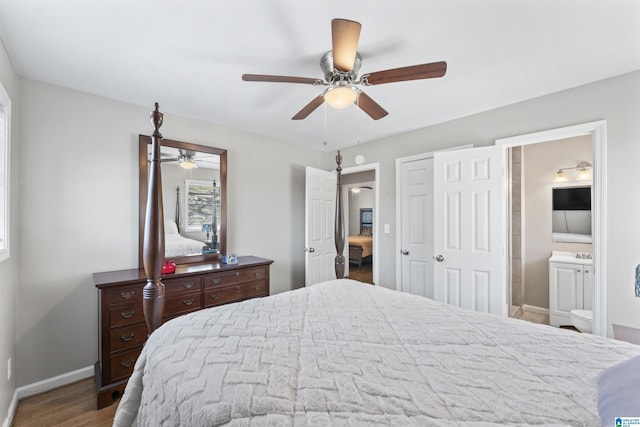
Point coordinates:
pixel 325 124
pixel 358 119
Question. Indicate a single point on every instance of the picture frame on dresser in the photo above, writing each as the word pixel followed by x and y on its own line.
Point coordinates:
pixel 122 329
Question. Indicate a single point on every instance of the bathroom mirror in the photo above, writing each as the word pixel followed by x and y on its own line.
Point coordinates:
pixel 571 214
pixel 194 193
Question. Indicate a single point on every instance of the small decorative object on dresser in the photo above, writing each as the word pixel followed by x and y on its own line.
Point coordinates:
pixel 192 287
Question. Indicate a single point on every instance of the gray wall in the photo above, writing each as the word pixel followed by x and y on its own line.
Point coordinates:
pixel 364 199
pixel 616 100
pixel 9 267
pixel 78 211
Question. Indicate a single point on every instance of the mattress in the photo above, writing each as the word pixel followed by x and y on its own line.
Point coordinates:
pixel 365 242
pixel 346 353
pixel 177 245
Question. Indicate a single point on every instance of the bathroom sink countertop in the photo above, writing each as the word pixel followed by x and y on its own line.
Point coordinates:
pixel 571 257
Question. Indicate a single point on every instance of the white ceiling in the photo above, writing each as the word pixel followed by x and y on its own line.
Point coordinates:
pixel 189 56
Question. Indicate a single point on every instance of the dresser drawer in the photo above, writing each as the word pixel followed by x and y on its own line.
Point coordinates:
pixel 122 364
pixel 126 315
pixel 128 337
pixel 126 294
pixel 182 304
pixel 233 277
pixel 173 287
pixel 226 294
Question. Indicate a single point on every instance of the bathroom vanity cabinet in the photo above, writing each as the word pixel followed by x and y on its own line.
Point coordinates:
pixel 570 286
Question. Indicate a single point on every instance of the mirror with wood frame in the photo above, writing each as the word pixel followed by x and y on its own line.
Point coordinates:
pixel 194 194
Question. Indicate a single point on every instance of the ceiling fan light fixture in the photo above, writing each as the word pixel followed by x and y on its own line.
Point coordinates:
pixel 188 164
pixel 340 96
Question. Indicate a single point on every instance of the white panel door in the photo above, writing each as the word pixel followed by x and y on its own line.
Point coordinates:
pixel 417 227
pixel 469 229
pixel 320 249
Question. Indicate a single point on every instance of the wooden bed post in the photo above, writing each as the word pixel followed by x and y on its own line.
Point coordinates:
pixel 153 248
pixel 339 222
pixel 178 208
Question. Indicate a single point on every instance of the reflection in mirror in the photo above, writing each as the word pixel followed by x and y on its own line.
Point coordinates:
pixel 571 215
pixel 193 194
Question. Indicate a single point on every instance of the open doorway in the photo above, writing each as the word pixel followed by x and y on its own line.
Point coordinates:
pixel 593 136
pixel 360 198
pixel 535 233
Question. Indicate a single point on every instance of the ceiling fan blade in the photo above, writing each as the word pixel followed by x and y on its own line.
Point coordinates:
pixel 309 108
pixel 371 107
pixel 279 79
pixel 345 35
pixel 414 72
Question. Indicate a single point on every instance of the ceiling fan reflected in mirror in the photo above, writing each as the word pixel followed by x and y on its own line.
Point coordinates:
pixel 341 66
pixel 189 159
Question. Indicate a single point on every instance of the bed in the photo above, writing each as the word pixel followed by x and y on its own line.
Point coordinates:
pixel 360 249
pixel 346 353
pixel 178 245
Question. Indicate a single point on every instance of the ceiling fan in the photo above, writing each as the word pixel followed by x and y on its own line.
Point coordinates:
pixel 188 159
pixel 341 66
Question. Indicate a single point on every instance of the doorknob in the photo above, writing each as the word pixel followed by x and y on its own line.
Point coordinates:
pixel 403 252
pixel 311 250
pixel 439 258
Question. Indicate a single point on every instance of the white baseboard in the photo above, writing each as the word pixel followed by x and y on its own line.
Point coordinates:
pixel 44 386
pixel 534 309
pixel 12 410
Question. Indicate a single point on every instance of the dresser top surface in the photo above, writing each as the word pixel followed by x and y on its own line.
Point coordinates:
pixel 108 278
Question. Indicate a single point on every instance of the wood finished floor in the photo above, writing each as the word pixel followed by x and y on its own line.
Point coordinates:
pixel 362 274
pixel 73 405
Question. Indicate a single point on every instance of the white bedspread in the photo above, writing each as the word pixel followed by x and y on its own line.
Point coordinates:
pixel 346 353
pixel 177 245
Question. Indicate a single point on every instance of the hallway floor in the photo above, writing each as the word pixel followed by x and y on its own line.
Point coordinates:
pixel 362 274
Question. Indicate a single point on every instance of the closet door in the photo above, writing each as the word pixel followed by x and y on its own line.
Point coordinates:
pixel 469 229
pixel 416 227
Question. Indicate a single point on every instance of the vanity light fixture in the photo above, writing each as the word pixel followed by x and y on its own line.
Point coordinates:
pixel 584 173
pixel 340 96
pixel 561 176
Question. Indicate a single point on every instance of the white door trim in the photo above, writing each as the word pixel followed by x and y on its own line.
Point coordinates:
pixel 375 167
pixel 598 132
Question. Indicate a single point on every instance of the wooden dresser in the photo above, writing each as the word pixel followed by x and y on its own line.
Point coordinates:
pixel 193 287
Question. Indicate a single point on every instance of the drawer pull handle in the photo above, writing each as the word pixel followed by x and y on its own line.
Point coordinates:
pixel 188 285
pixel 127 295
pixel 237 274
pixel 215 280
pixel 257 273
pixel 215 296
pixel 128 363
pixel 187 301
pixel 127 314
pixel 127 338
pixel 258 287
